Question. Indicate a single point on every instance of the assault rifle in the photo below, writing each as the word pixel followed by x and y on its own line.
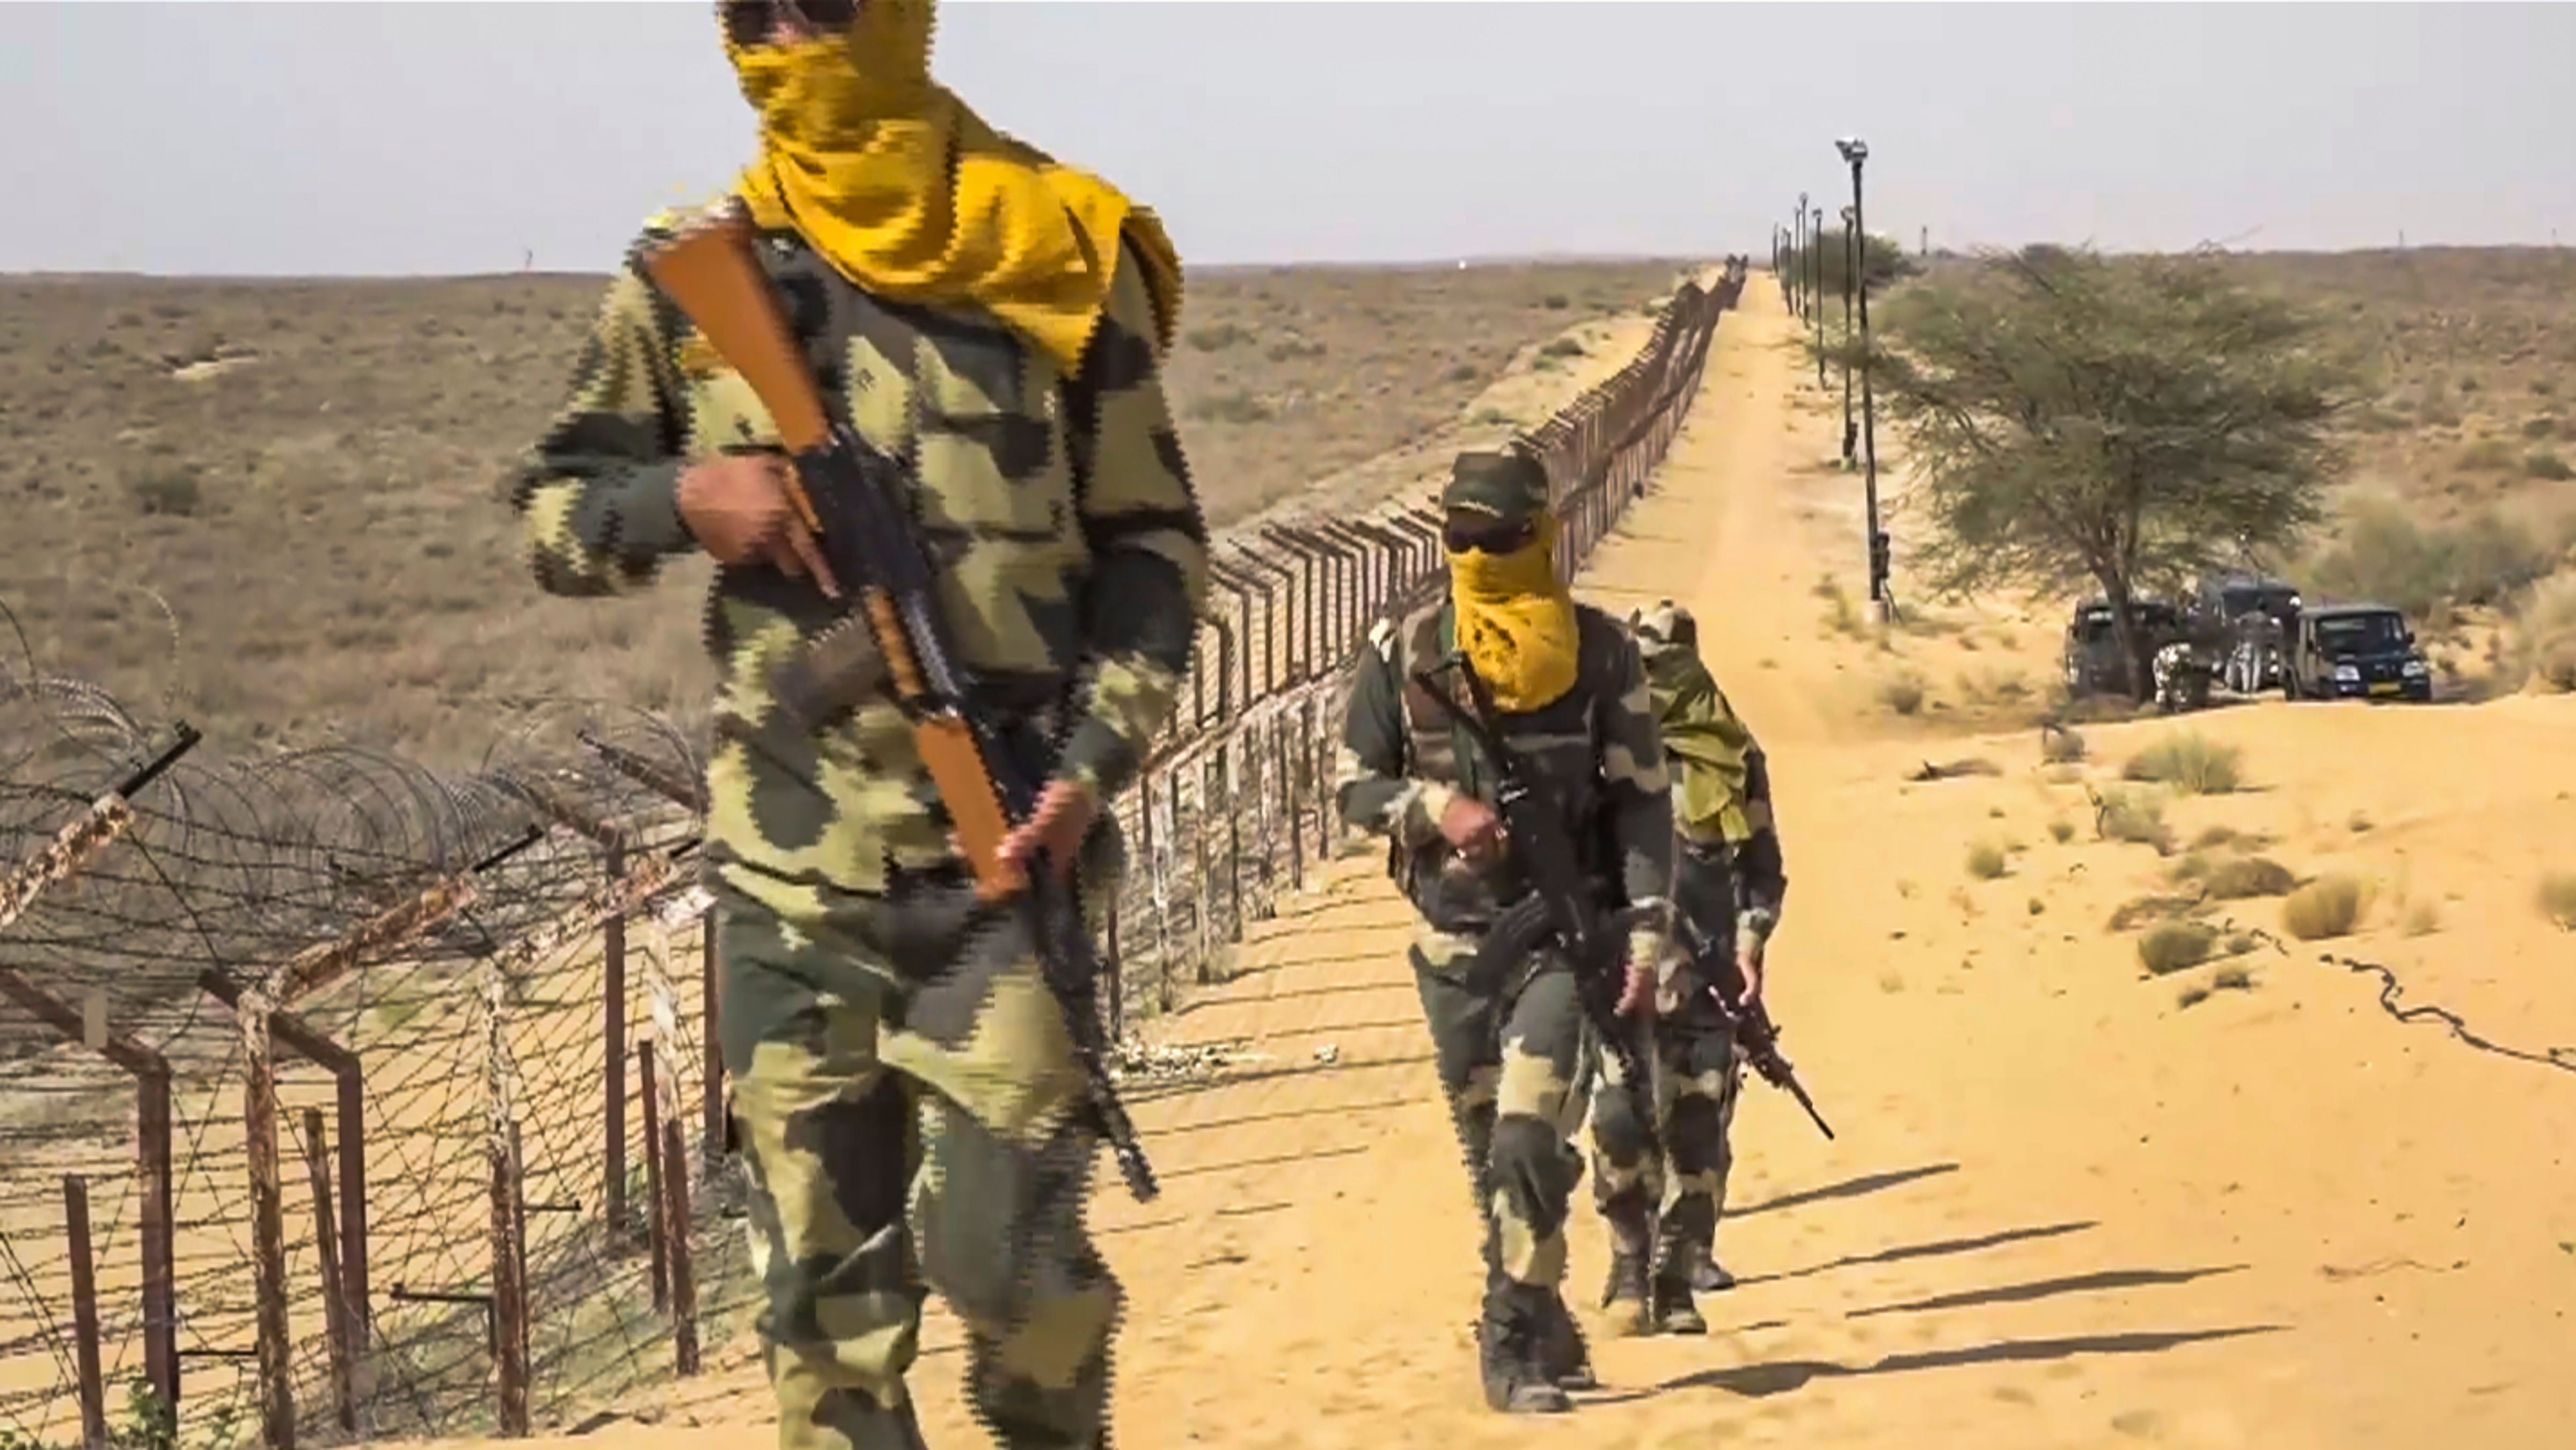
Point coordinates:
pixel 850 495
pixel 1561 908
pixel 1755 1033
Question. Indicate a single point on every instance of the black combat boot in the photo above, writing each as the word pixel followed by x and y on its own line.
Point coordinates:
pixel 1627 1299
pixel 1708 1276
pixel 1510 1351
pixel 1564 1356
pixel 1669 1293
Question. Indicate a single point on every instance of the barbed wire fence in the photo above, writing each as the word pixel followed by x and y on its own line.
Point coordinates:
pixel 341 1098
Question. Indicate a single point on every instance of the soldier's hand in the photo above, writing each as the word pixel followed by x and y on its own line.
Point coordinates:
pixel 1748 963
pixel 1056 827
pixel 739 509
pixel 1471 827
pixel 1637 993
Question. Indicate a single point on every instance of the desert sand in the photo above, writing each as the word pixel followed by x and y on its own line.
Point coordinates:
pixel 2065 1209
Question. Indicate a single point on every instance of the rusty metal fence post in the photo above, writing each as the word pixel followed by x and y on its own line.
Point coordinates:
pixel 92 1386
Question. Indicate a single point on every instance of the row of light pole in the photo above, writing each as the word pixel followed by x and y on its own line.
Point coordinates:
pixel 1798 249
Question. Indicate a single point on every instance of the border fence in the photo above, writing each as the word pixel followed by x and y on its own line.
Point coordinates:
pixel 341 1098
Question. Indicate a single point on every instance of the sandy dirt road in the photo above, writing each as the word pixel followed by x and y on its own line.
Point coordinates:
pixel 2064 1211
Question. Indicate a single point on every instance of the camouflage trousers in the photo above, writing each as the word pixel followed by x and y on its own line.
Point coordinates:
pixel 1677 1195
pixel 1508 1051
pixel 1651 1200
pixel 904 1096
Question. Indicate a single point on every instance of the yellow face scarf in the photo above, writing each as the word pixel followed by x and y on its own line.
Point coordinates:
pixel 908 193
pixel 1516 621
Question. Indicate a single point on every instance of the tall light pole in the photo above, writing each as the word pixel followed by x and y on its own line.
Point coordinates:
pixel 1856 151
pixel 1851 429
pixel 1798 260
pixel 1816 290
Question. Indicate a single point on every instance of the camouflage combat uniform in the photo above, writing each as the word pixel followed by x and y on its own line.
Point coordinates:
pixel 1509 1045
pixel 1662 1212
pixel 902 1083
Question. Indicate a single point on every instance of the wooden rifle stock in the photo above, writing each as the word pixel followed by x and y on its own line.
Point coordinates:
pixel 708 271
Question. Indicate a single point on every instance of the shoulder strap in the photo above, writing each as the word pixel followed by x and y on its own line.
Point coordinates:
pixel 1430 744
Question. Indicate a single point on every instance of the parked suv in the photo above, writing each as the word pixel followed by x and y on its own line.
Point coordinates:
pixel 2250 620
pixel 2091 656
pixel 2356 652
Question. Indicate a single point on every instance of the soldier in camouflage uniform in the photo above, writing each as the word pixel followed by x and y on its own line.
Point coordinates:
pixel 903 1089
pixel 1573 701
pixel 1662 1210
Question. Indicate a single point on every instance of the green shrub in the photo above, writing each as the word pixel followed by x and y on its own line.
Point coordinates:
pixel 2382 554
pixel 1986 861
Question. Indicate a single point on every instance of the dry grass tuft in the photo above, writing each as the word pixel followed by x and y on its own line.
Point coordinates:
pixel 1986 861
pixel 2173 946
pixel 2328 907
pixel 2190 763
pixel 2241 877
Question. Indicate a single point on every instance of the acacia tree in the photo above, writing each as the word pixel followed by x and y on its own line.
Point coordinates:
pixel 2126 422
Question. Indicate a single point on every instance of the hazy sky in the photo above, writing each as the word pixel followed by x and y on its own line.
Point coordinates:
pixel 359 137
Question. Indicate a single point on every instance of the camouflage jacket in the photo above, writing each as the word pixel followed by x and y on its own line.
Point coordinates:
pixel 1072 556
pixel 1397 771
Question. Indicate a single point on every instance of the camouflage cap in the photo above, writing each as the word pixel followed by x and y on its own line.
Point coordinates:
pixel 1506 483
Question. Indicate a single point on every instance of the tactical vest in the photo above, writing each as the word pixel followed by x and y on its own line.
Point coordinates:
pixel 1561 741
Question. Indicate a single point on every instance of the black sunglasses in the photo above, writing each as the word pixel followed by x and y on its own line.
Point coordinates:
pixel 1497 537
pixel 753 22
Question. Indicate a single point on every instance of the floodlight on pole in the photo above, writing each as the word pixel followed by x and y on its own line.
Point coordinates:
pixel 1856 151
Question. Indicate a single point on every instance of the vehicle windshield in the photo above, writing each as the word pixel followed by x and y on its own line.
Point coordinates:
pixel 2249 600
pixel 2360 634
pixel 2093 621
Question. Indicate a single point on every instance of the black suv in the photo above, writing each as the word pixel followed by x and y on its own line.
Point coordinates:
pixel 2250 619
pixel 2355 652
pixel 2091 655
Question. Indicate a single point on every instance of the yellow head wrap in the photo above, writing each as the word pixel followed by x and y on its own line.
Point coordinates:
pixel 1516 621
pixel 910 194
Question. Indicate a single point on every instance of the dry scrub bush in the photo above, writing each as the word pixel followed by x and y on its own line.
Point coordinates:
pixel 2190 763
pixel 2558 899
pixel 2136 817
pixel 2232 979
pixel 2061 830
pixel 2172 946
pixel 1902 692
pixel 2330 906
pixel 2383 555
pixel 1986 861
pixel 2240 878
pixel 2060 745
pixel 2545 635
pixel 2423 918
pixel 2138 911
